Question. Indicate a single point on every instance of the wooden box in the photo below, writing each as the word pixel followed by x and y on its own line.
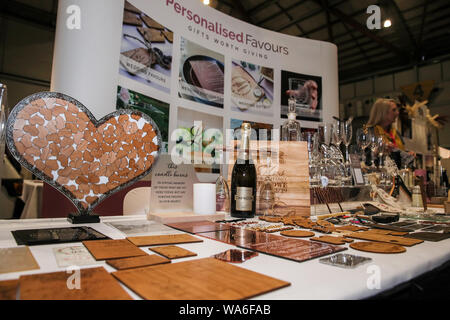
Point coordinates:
pixel 285 163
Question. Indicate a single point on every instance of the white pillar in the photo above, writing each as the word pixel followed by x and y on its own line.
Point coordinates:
pixel 86 53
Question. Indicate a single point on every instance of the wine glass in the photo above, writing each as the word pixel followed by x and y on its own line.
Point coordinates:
pixel 381 151
pixel 373 138
pixel 363 138
pixel 336 133
pixel 347 132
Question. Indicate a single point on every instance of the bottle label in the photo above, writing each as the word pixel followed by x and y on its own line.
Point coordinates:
pixel 244 198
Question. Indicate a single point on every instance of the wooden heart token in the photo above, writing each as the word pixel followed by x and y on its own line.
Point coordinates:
pixel 59 140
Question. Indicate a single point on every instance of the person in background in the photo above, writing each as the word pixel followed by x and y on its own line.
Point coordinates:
pixel 383 114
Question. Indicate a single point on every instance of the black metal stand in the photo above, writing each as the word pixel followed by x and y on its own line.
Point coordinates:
pixel 83 218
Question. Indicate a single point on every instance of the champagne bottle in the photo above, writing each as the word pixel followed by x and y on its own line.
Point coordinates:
pixel 243 179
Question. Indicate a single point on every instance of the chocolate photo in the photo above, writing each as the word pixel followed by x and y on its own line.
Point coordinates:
pixel 201 74
pixel 146 49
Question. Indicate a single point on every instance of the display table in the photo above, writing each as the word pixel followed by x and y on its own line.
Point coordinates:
pixel 32 197
pixel 309 280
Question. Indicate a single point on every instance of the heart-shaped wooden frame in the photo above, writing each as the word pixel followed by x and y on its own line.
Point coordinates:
pixel 53 112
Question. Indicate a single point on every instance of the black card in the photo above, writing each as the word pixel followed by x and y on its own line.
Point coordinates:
pixel 56 235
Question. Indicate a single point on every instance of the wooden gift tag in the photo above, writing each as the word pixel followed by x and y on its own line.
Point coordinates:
pixel 332 239
pixel 112 249
pixel 163 239
pixel 137 262
pixel 186 281
pixel 288 170
pixel 367 235
pixel 96 284
pixel 173 252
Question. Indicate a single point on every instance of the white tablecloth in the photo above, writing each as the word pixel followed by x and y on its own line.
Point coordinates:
pixel 32 196
pixel 309 280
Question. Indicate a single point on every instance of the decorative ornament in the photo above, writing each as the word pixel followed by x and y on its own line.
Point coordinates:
pixel 60 141
pixel 412 110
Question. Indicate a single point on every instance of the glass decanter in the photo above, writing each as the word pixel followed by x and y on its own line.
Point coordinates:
pixel 290 130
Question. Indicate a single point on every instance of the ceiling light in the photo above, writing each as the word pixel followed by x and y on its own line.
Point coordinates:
pixel 206 2
pixel 387 23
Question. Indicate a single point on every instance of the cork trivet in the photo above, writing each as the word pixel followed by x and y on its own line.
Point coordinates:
pixel 377 247
pixel 163 239
pixel 95 284
pixel 332 239
pixel 136 262
pixel 112 249
pixel 8 289
pixel 173 252
pixel 297 233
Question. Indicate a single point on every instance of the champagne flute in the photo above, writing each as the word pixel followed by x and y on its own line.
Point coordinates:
pixel 362 136
pixel 347 132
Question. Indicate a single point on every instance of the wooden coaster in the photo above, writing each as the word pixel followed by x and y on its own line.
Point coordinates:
pixel 332 239
pixel 187 281
pixel 297 233
pixel 136 262
pixel 112 249
pixel 8 289
pixel 370 236
pixel 92 284
pixel 377 247
pixel 173 252
pixel 163 239
pixel 168 35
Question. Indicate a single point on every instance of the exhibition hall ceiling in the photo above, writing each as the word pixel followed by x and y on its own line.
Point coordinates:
pixel 420 30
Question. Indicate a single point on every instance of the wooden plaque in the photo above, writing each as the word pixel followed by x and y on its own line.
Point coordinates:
pixel 94 284
pixel 137 262
pixel 173 252
pixel 297 233
pixel 112 249
pixel 163 239
pixel 198 279
pixel 288 170
pixel 8 289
